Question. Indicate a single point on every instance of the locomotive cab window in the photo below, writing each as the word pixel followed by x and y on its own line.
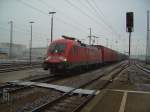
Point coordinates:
pixel 57 48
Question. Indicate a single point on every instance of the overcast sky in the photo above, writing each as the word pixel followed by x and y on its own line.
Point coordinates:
pixel 74 18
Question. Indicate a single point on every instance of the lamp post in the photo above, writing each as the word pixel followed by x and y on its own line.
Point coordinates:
pixel 52 13
pixel 147 40
pixel 30 56
pixel 11 38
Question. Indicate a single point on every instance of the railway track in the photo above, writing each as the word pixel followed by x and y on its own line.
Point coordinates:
pixel 143 68
pixel 13 88
pixel 61 100
pixel 7 65
pixel 45 78
pixel 73 103
pixel 17 66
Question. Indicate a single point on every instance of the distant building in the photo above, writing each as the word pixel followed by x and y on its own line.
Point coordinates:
pixel 3 55
pixel 17 49
pixel 38 52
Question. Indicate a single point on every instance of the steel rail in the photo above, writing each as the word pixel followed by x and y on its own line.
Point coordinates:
pixel 43 106
pixel 22 67
pixel 145 69
pixel 13 88
pixel 91 96
pixel 41 79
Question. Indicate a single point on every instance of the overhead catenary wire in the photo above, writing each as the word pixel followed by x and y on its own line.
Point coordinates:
pixel 98 30
pixel 93 13
pixel 81 11
pixel 93 19
pixel 46 14
pixel 101 18
pixel 66 16
pixel 7 29
pixel 96 12
pixel 75 26
pixel 18 29
pixel 20 32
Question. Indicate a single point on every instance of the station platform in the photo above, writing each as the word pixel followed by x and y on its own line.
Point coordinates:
pixel 113 100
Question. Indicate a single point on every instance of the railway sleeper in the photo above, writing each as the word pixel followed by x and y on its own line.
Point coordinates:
pixel 65 106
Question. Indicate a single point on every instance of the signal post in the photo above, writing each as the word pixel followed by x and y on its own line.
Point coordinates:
pixel 129 28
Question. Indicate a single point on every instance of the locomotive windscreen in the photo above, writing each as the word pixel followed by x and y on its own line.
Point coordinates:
pixel 57 48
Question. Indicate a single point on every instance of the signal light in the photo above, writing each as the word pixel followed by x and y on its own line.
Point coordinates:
pixel 129 21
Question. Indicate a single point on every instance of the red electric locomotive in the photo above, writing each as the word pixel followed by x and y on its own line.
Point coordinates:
pixel 68 53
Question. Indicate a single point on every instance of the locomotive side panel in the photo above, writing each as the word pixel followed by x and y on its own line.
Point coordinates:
pixel 64 54
pixel 107 55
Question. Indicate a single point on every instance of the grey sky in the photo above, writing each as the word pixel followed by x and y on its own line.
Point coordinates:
pixel 74 18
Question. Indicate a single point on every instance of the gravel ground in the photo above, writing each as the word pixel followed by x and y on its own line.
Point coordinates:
pixel 25 100
pixel 77 80
pixel 30 98
pixel 23 74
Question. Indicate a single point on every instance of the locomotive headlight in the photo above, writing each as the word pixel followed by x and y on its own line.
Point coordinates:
pixel 62 58
pixel 65 59
pixel 48 58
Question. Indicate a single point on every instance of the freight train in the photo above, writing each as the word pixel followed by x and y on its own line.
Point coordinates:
pixel 69 53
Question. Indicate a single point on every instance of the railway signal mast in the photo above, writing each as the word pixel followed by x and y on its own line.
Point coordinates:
pixel 129 27
pixel 95 37
pixel 90 36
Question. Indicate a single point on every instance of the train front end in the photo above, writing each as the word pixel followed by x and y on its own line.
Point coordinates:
pixel 56 59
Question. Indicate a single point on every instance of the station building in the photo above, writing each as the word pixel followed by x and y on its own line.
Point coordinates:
pixel 37 52
pixel 17 50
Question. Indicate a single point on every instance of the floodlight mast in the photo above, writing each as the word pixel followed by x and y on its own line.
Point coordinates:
pixel 52 13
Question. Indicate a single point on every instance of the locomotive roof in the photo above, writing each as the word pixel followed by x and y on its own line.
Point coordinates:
pixel 66 39
pixel 99 46
pixel 72 40
pixel 63 40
